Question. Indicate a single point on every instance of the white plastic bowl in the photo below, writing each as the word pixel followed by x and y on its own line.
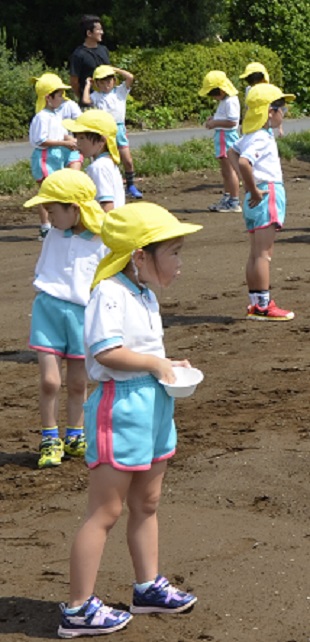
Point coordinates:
pixel 186 381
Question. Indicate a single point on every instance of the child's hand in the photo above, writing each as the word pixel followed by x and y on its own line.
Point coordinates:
pixel 209 124
pixel 163 370
pixel 89 81
pixel 256 197
pixel 182 364
pixel 70 142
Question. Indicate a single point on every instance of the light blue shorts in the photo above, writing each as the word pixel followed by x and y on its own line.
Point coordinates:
pixel 129 424
pixel 270 211
pixel 121 136
pixel 223 140
pixel 57 326
pixel 46 161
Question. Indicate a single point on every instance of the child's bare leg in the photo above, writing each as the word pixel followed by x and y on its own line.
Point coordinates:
pixel 50 383
pixel 43 214
pixel 258 265
pixel 142 528
pixel 76 391
pixel 107 490
pixel 126 158
pixel 75 165
pixel 230 178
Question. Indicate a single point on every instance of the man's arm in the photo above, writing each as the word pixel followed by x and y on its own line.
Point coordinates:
pixel 74 82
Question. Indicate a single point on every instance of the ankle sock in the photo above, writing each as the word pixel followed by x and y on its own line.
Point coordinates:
pixel 263 298
pixel 50 433
pixel 141 588
pixel 74 431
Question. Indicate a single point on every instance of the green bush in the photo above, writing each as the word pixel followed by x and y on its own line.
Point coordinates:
pixel 171 77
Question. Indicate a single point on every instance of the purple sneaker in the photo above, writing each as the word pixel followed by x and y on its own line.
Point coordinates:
pixel 161 597
pixel 133 191
pixel 93 618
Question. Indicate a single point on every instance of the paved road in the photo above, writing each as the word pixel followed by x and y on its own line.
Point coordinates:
pixel 10 153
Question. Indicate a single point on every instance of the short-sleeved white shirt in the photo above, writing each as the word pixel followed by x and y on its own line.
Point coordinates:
pixel 261 150
pixel 68 109
pixel 67 264
pixel 46 125
pixel 120 314
pixel 108 180
pixel 228 109
pixel 113 102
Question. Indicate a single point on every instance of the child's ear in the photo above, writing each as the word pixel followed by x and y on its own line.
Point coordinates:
pixel 139 257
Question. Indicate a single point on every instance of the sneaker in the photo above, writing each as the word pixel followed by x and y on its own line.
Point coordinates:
pixel 270 313
pixel 215 207
pixel 75 446
pixel 93 618
pixel 51 452
pixel 161 597
pixel 133 192
pixel 229 206
pixel 43 233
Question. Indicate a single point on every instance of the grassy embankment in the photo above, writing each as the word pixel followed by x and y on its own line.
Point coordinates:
pixel 157 160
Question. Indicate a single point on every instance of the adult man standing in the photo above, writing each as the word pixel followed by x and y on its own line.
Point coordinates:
pixel 88 56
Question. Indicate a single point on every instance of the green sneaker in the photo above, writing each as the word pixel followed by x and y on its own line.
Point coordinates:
pixel 75 446
pixel 51 452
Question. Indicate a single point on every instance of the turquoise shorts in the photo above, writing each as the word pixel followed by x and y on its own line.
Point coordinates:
pixel 121 136
pixel 46 161
pixel 57 326
pixel 270 211
pixel 129 424
pixel 223 140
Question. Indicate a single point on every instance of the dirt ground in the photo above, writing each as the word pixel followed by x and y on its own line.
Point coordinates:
pixel 234 516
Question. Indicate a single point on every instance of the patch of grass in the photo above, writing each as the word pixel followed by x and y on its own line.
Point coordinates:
pixel 16 179
pixel 295 146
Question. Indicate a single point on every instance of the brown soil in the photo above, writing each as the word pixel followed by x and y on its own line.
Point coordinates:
pixel 234 516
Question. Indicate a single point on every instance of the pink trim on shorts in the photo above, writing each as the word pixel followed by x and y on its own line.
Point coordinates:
pixel 63 355
pixel 167 456
pixel 272 206
pixel 105 431
pixel 44 166
pixel 223 152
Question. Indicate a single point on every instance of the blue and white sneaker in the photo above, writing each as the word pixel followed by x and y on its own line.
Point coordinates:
pixel 93 618
pixel 133 191
pixel 161 597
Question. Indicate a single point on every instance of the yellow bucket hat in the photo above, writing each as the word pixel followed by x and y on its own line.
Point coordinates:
pixel 216 79
pixel 134 226
pixel 258 101
pixel 45 85
pixel 72 186
pixel 253 68
pixel 103 71
pixel 96 121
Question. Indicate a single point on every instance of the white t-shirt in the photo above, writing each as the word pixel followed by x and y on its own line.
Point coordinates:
pixel 119 314
pixel 45 125
pixel 114 102
pixel 68 109
pixel 67 264
pixel 261 150
pixel 228 109
pixel 108 180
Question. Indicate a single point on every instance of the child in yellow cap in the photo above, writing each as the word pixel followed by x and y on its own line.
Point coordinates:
pixel 256 157
pixel 129 417
pixel 54 147
pixel 255 73
pixel 95 132
pixel 63 275
pixel 112 98
pixel 225 122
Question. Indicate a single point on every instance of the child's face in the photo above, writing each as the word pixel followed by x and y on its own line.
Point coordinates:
pixel 53 102
pixel 276 116
pixel 162 267
pixel 105 84
pixel 88 147
pixel 61 216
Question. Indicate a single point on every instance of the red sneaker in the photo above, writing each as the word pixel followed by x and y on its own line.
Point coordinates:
pixel 270 313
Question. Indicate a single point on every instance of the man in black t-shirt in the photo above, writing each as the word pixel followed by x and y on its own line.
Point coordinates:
pixel 87 56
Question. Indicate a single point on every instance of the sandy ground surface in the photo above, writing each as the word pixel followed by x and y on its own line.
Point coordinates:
pixel 234 517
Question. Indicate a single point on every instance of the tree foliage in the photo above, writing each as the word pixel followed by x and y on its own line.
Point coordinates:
pixel 53 27
pixel 284 28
